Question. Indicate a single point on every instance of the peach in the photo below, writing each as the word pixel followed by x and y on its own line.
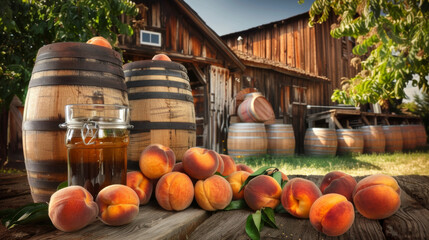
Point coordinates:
pixel 332 214
pixel 174 191
pixel 377 196
pixel 161 57
pixel 100 41
pixel 284 176
pixel 72 208
pixel 262 191
pixel 229 165
pixel 213 193
pixel 244 167
pixel 338 182
pixel 178 167
pixel 142 185
pixel 298 195
pixel 221 167
pixel 236 180
pixel 156 160
pixel 118 204
pixel 200 163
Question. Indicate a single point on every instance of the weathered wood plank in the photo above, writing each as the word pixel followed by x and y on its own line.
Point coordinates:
pixel 417 187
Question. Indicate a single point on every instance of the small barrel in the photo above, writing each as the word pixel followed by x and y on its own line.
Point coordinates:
pixel 162 108
pixel 247 140
pixel 255 108
pixel 374 139
pixel 393 136
pixel 64 73
pixel 350 141
pixel 408 137
pixel 421 136
pixel 320 142
pixel 280 139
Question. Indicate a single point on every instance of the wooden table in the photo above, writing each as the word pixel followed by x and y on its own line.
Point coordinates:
pixel 410 222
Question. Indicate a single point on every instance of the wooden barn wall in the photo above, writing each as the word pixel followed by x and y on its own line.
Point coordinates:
pixel 294 43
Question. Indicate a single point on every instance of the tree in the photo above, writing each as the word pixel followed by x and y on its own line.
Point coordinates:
pixel 392 47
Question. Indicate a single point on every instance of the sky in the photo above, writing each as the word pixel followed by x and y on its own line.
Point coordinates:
pixel 228 16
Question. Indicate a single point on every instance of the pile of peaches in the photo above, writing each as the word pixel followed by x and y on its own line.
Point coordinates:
pixel 214 180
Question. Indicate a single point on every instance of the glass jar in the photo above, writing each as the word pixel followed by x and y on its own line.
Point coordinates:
pixel 97 138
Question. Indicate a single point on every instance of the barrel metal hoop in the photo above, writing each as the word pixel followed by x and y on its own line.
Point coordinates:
pixel 46 166
pixel 145 126
pixel 155 64
pixel 79 81
pixel 158 83
pixel 150 72
pixel 160 95
pixel 42 125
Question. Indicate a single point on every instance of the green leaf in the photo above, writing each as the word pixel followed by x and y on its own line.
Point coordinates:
pixel 260 171
pixel 284 183
pixel 30 213
pixel 268 217
pixel 235 205
pixel 278 177
pixel 251 228
pixel 62 185
pixel 280 209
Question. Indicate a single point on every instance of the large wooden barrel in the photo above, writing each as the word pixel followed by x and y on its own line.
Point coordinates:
pixel 421 136
pixel 320 142
pixel 246 140
pixel 350 141
pixel 280 139
pixel 64 73
pixel 374 139
pixel 393 136
pixel 162 108
pixel 255 108
pixel 408 137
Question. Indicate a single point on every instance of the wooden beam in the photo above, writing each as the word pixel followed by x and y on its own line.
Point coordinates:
pixel 200 74
pixel 365 120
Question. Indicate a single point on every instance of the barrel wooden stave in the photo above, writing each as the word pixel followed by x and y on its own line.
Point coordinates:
pixel 280 139
pixel 408 137
pixel 374 139
pixel 246 140
pixel 320 142
pixel 255 108
pixel 421 136
pixel 350 141
pixel 394 139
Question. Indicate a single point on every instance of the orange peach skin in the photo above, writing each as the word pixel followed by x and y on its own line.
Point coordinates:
pixel 174 191
pixel 377 196
pixel 213 193
pixel 100 41
pixel 118 204
pixel 178 167
pixel 72 208
pixel 244 167
pixel 236 180
pixel 229 165
pixel 332 214
pixel 142 185
pixel 200 163
pixel 161 57
pixel 338 182
pixel 156 160
pixel 262 191
pixel 221 166
pixel 298 195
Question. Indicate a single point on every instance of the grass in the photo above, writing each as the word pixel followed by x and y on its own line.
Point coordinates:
pixel 411 163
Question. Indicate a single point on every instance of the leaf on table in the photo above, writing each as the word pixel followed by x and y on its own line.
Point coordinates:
pixel 236 204
pixel 30 213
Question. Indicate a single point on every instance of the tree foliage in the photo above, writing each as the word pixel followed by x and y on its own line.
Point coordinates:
pixel 392 47
pixel 28 25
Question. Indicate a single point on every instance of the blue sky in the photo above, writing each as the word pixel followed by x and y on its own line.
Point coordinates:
pixel 228 16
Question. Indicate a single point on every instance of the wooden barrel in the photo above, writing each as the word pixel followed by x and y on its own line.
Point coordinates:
pixel 280 139
pixel 320 142
pixel 421 136
pixel 393 136
pixel 247 140
pixel 255 108
pixel 64 73
pixel 408 137
pixel 374 139
pixel 162 108
pixel 350 141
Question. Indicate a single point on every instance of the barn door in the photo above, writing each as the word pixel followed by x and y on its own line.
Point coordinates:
pixel 220 96
pixel 298 98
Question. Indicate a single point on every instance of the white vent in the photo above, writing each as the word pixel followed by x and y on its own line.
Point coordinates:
pixel 150 38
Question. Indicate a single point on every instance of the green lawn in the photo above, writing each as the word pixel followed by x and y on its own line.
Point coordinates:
pixel 411 163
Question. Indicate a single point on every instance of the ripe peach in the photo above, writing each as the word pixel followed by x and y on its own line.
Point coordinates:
pixel 100 41
pixel 244 167
pixel 229 165
pixel 178 167
pixel 161 57
pixel 118 204
pixel 142 185
pixel 377 196
pixel 262 191
pixel 72 208
pixel 332 214
pixel 213 193
pixel 236 180
pixel 221 167
pixel 200 163
pixel 174 191
pixel 338 182
pixel 156 160
pixel 298 195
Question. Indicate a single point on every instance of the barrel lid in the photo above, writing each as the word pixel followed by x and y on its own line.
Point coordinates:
pixel 142 64
pixel 278 125
pixel 78 50
pixel 247 125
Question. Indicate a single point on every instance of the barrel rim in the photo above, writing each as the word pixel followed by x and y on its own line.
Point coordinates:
pixel 155 63
pixel 247 124
pixel 346 130
pixel 276 125
pixel 371 126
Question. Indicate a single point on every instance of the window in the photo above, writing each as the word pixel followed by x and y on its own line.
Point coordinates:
pixel 299 95
pixel 150 38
